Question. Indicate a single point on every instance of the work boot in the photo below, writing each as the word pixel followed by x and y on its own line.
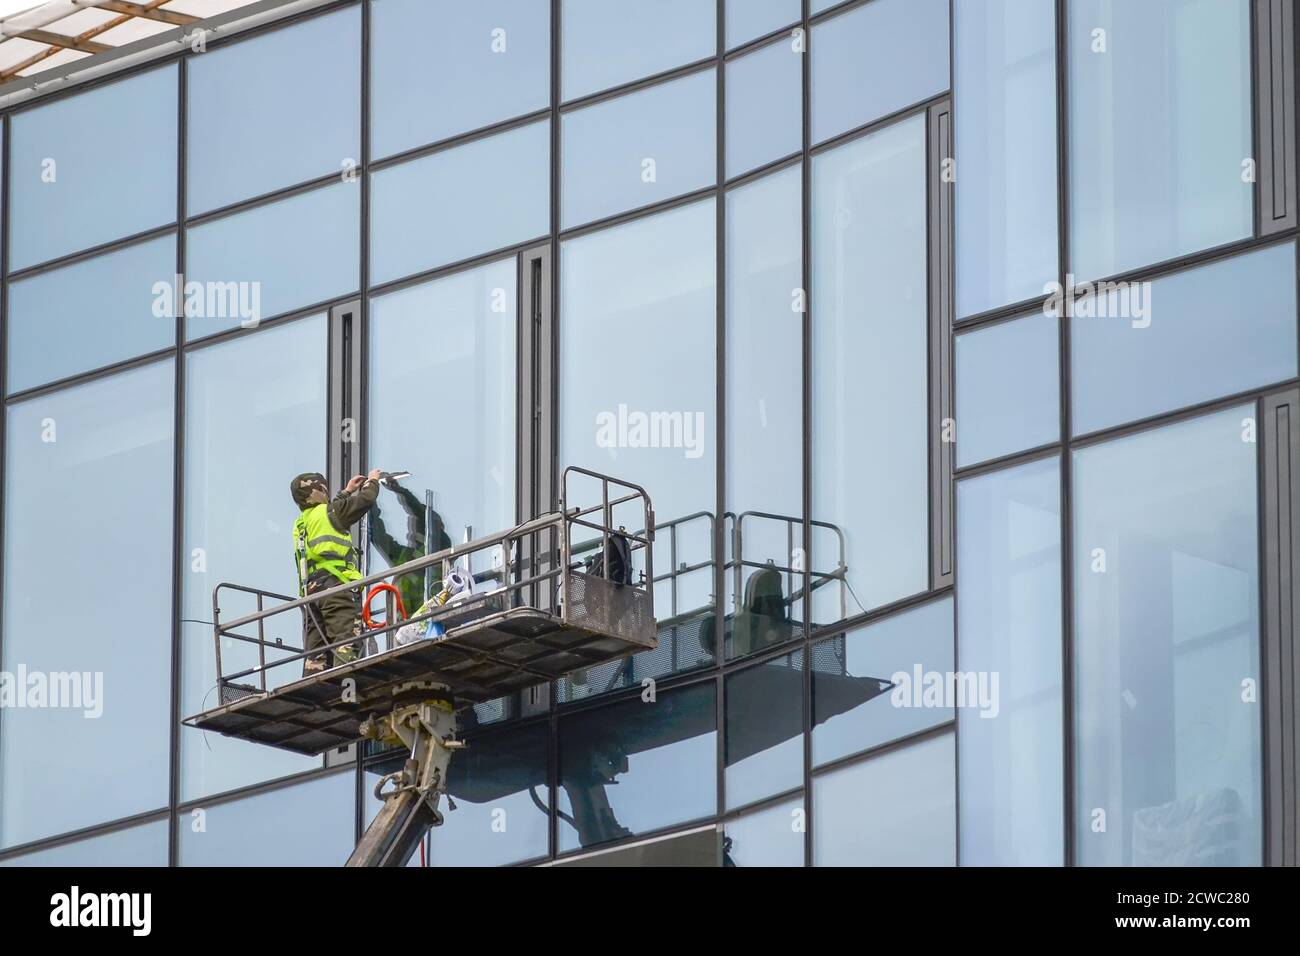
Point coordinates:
pixel 345 654
pixel 313 665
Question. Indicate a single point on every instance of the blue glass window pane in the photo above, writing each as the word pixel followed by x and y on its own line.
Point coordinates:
pixel 764 406
pixel 657 273
pixel 817 6
pixel 1159 128
pixel 764 107
pixel 308 824
pixel 1009 624
pixel 866 687
pixel 92 168
pixel 635 767
pixel 764 743
pixel 1008 391
pixel 772 836
pixel 870 364
pixel 1211 331
pixel 460 203
pixel 611 42
pixel 639 149
pixel 1005 114
pixel 1166 619
pixel 896 809
pixel 90 314
pixel 749 19
pixel 144 845
pixel 67 455
pixel 255 416
pixel 458 331
pixel 876 59
pixel 493 63
pixel 274 111
pixel 273 259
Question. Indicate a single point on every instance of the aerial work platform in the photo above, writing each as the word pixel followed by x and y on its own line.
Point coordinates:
pixel 537 612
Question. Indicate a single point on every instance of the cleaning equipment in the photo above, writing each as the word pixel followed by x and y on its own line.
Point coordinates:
pixel 370 596
pixel 456 586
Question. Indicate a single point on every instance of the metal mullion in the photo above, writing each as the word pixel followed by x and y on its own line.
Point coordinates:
pixel 1010 460
pixel 463 265
pixel 553 752
pixel 361 335
pixel 806 530
pixel 767 169
pixel 263 199
pixel 178 477
pixel 644 83
pixel 94 375
pixel 284 318
pixel 448 143
pixel 920 598
pixel 86 833
pixel 757 43
pixel 889 746
pixel 639 212
pixel 720 405
pixel 92 252
pixel 1062 66
pixel 1184 413
pixel 260 789
pixel 5 204
pixel 889 119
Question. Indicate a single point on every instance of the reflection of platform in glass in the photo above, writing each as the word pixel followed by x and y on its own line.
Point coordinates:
pixel 480 660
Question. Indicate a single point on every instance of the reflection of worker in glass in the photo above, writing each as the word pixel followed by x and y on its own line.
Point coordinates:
pixel 325 558
pixel 420 540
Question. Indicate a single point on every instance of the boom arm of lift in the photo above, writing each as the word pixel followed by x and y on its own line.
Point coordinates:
pixel 427 728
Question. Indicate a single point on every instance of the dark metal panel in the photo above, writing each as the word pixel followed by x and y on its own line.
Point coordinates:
pixel 1275 115
pixel 941 240
pixel 1280 466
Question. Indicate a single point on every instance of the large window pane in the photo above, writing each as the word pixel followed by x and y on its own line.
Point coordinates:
pixel 1168 762
pixel 764 743
pixel 287 255
pixel 998 413
pixel 255 416
pixel 88 468
pixel 456 334
pixel 749 19
pixel 90 314
pixel 638 149
pixel 637 767
pixel 875 60
pixel 1212 331
pixel 493 62
pixel 772 836
pixel 764 411
pixel 308 824
pixel 460 203
pixel 637 401
pixel 1159 129
pixel 275 110
pixel 143 845
pixel 1005 114
pixel 870 686
pixel 897 809
pixel 92 168
pixel 764 106
pixel 1009 628
pixel 611 42
pixel 870 460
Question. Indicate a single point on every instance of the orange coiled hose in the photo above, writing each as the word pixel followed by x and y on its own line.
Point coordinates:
pixel 380 589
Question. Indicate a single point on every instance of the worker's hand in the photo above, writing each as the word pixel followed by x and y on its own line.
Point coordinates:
pixel 353 483
pixel 374 475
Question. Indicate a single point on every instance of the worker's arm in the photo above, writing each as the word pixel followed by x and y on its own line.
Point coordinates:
pixel 350 505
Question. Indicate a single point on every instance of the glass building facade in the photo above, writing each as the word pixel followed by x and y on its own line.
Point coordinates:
pixel 979 320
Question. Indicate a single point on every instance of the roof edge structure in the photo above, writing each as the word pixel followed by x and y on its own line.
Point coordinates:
pixel 117 59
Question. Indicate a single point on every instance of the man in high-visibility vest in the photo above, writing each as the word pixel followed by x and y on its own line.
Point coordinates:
pixel 326 558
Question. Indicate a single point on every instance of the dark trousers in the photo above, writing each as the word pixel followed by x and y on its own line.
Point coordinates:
pixel 334 619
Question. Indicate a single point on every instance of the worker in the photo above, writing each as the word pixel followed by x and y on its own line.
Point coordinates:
pixel 326 558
